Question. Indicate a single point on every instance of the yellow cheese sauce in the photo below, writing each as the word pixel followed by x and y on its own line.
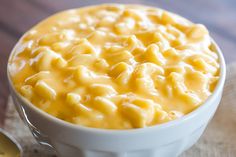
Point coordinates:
pixel 115 66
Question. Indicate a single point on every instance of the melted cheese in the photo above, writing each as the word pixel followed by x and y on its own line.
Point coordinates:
pixel 115 66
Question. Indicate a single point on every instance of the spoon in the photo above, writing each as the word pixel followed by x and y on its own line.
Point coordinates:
pixel 8 146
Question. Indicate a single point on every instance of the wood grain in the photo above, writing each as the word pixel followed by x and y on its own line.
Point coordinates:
pixel 17 16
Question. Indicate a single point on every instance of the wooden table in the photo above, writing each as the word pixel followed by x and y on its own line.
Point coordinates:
pixel 17 16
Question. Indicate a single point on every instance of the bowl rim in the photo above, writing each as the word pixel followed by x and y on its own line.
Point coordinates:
pixel 186 117
pixel 206 104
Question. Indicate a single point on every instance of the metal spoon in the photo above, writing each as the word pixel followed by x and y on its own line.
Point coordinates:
pixel 8 146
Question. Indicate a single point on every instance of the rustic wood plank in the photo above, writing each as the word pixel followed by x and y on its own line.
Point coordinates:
pixel 19 15
pixel 6 44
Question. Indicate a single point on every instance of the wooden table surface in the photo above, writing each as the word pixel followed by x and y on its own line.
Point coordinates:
pixel 17 16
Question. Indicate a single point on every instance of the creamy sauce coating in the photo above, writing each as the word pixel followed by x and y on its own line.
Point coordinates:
pixel 115 66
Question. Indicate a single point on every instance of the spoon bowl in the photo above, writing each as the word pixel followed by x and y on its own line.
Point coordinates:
pixel 9 146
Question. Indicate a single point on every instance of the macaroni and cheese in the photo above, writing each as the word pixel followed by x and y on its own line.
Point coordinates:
pixel 115 66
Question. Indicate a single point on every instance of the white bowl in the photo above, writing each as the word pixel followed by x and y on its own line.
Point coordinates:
pixel 165 140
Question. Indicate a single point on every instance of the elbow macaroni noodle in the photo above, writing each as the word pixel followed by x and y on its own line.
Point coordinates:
pixel 115 66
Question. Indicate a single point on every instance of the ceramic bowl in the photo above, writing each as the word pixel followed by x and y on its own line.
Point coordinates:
pixel 165 140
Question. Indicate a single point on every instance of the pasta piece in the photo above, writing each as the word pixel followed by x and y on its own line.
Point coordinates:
pixel 132 14
pixel 124 25
pixel 106 21
pixel 101 65
pixel 124 77
pixel 197 32
pixel 169 91
pixel 175 68
pixel 38 50
pixel 73 98
pixel 82 109
pixel 147 69
pixel 167 18
pixel 44 90
pixel 177 33
pixel 177 82
pixel 50 38
pixel 104 105
pixel 202 65
pixel 139 117
pixel 132 42
pixel 101 90
pixel 120 56
pixel 45 59
pixel 82 59
pixel 83 75
pixel 159 38
pixel 60 46
pixel 118 68
pixel 84 47
pixel 153 55
pixel 27 91
pixel 135 115
pixel 81 91
pixel 145 86
pixel 191 99
pixel 171 54
pixel 160 116
pixel 30 34
pixel 38 76
pixel 168 36
pixel 146 104
pixel 180 42
pixel 97 37
pixel 139 54
pixel 60 62
pixel 191 77
pixel 163 46
pixel 154 17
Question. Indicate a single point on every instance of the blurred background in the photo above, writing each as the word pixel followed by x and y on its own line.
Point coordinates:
pixel 17 16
